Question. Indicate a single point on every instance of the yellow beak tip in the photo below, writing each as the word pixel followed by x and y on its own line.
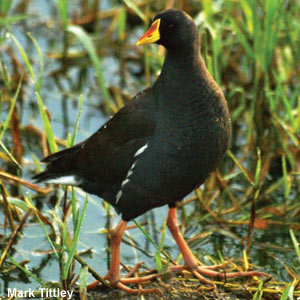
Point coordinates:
pixel 151 36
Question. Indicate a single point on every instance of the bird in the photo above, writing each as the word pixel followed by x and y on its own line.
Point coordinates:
pixel 157 149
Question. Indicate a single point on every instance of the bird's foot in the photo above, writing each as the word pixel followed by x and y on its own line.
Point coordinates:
pixel 191 263
pixel 122 282
pixel 215 271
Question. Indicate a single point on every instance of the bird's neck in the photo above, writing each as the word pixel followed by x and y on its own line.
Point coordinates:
pixel 187 63
pixel 184 76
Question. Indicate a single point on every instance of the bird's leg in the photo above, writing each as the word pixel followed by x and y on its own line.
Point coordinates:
pixel 113 275
pixel 191 263
pixel 114 271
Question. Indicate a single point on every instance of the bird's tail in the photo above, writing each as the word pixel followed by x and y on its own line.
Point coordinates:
pixel 43 176
pixel 59 167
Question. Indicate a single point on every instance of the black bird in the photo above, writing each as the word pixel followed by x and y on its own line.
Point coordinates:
pixel 156 149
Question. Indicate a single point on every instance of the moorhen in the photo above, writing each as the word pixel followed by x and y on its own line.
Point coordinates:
pixel 157 148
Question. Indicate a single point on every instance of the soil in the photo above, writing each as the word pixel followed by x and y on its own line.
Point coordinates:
pixel 174 289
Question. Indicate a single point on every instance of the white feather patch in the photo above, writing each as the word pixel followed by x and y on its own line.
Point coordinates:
pixel 129 173
pixel 70 179
pixel 130 170
pixel 119 195
pixel 141 150
pixel 125 181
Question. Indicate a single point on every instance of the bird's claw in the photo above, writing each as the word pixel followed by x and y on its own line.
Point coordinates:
pixel 201 272
pixel 121 283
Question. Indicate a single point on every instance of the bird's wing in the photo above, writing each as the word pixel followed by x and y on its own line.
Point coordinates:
pixel 108 153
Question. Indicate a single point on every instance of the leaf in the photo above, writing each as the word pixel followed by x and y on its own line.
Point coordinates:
pixel 295 243
pixel 25 57
pixel 47 125
pixel 89 47
pixel 135 8
pixel 287 292
pixel 258 169
pixel 11 109
pixel 77 121
pixel 75 239
pixel 258 294
pixel 244 170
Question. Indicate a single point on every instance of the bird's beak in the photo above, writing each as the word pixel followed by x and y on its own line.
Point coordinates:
pixel 151 36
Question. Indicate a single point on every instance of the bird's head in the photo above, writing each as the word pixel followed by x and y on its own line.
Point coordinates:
pixel 172 28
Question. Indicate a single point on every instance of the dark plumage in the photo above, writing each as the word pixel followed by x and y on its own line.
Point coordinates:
pixel 183 119
pixel 160 146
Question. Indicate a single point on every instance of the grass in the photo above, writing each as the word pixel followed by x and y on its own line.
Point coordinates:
pixel 249 207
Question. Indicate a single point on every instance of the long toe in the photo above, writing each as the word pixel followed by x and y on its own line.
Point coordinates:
pixel 129 290
pixel 123 282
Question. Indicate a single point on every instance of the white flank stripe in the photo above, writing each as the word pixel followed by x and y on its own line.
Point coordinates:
pixel 125 181
pixel 130 170
pixel 119 195
pixel 70 179
pixel 141 150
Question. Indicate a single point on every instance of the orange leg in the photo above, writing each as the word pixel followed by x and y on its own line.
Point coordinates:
pixel 113 275
pixel 191 263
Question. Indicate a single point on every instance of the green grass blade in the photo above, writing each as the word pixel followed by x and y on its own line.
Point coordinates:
pixel 243 40
pixel 295 243
pixel 18 203
pixel 122 23
pixel 63 7
pixel 30 274
pixel 5 6
pixel 25 57
pixel 298 116
pixel 147 235
pixel 287 185
pixel 46 122
pixel 26 271
pixel 89 47
pixel 286 101
pixel 77 121
pixel 208 11
pixel 69 140
pixel 135 8
pixel 10 155
pixel 32 206
pixel 5 76
pixel 258 294
pixel 5 21
pixel 47 125
pixel 158 260
pixel 75 240
pixel 248 12
pixel 258 169
pixel 288 292
pixel 10 112
pixel 37 163
pixel 245 172
pixel 75 211
pixel 273 11
pixel 40 54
